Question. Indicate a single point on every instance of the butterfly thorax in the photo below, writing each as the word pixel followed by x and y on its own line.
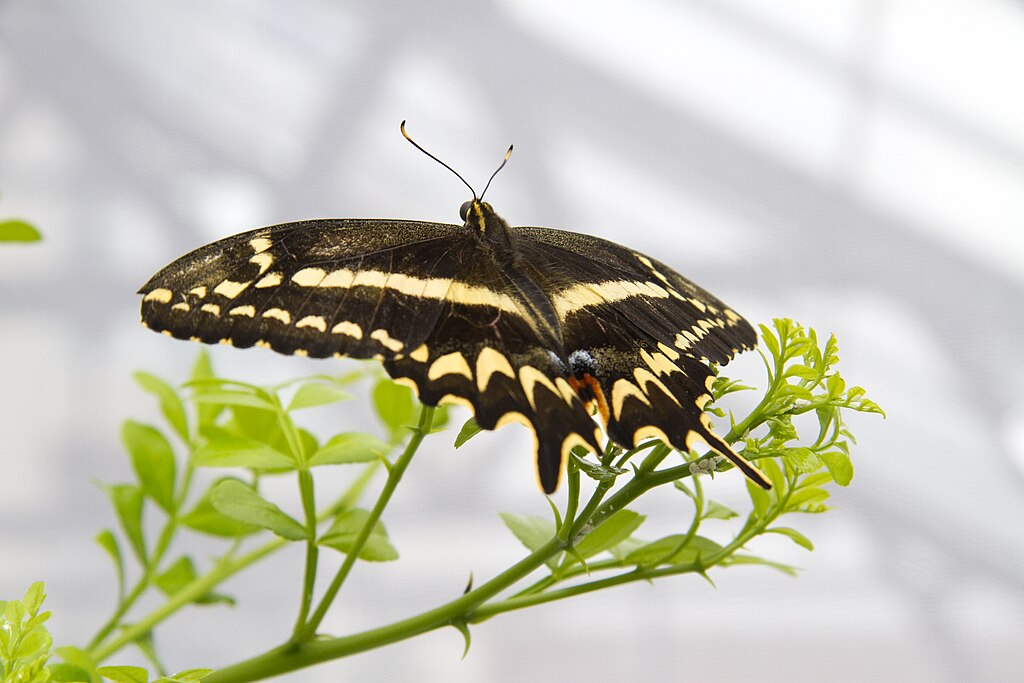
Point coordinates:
pixel 493 231
pixel 500 243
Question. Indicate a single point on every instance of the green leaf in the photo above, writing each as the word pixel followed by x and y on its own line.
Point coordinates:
pixel 469 429
pixel 191 675
pixel 124 674
pixel 350 447
pixel 609 533
pixel 108 542
pixel 346 528
pixel 261 425
pixel 127 500
pixel 62 672
pixel 182 573
pixel 202 372
pixel 227 397
pixel 839 466
pixel 671 550
pixel 314 394
pixel 807 500
pixel 532 531
pixel 224 449
pixel 170 403
pixel 234 499
pixel 760 499
pixel 80 659
pixel 803 372
pixel 153 461
pixel 395 406
pixel 34 597
pixel 205 518
pixel 716 510
pixel 18 231
pixel 803 459
pixel 770 341
pixel 795 535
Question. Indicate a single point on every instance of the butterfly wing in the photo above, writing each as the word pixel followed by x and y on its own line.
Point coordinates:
pixel 422 297
pixel 359 288
pixel 638 336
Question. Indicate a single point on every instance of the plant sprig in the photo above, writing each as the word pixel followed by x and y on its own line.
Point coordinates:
pixel 594 542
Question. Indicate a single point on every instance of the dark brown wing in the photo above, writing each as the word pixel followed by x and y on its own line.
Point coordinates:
pixel 637 336
pixel 422 297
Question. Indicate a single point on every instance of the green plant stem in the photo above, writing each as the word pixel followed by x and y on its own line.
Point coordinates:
pixel 191 592
pixel 312 554
pixel 163 543
pixel 223 570
pixel 292 656
pixel 394 476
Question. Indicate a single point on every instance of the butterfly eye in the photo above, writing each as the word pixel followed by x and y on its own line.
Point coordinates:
pixel 464 210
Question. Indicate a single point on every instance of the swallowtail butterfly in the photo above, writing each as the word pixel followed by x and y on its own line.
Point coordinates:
pixel 521 324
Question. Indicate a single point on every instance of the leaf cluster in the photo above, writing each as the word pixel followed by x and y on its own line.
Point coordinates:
pixel 204 472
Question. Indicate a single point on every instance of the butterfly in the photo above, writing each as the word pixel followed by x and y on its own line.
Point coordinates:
pixel 521 324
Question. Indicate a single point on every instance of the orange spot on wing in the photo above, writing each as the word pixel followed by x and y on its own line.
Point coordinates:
pixel 589 390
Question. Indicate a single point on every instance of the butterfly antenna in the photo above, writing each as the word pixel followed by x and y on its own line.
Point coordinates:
pixel 416 145
pixel 501 166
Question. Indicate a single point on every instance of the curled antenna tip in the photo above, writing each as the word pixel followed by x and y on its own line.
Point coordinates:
pixel 417 146
pixel 500 166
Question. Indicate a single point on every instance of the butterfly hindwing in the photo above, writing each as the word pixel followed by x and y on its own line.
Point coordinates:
pixel 637 335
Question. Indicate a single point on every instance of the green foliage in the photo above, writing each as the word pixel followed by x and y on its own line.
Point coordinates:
pixel 18 231
pixel 213 424
pixel 24 641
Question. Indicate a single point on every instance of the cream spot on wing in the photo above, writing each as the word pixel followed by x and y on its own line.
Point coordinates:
pixel 622 389
pixel 659 363
pixel 260 244
pixel 453 363
pixel 586 294
pixel 314 321
pixel 226 342
pixel 278 314
pixel 262 343
pixel 300 352
pixel 199 291
pixel 668 351
pixel 643 378
pixel 530 377
pixel 211 308
pixel 682 342
pixel 513 416
pixel 309 277
pixel 230 288
pixel 386 340
pixel 338 278
pixel 161 295
pixel 247 311
pixel 269 280
pixel 456 400
pixel 264 261
pixel 421 354
pixel 649 432
pixel 181 307
pixel 570 442
pixel 698 304
pixel 349 328
pixel 489 362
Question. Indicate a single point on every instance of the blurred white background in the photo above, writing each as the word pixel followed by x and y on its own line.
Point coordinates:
pixel 857 165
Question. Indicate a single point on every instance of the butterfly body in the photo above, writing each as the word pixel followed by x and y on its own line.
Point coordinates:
pixel 525 324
